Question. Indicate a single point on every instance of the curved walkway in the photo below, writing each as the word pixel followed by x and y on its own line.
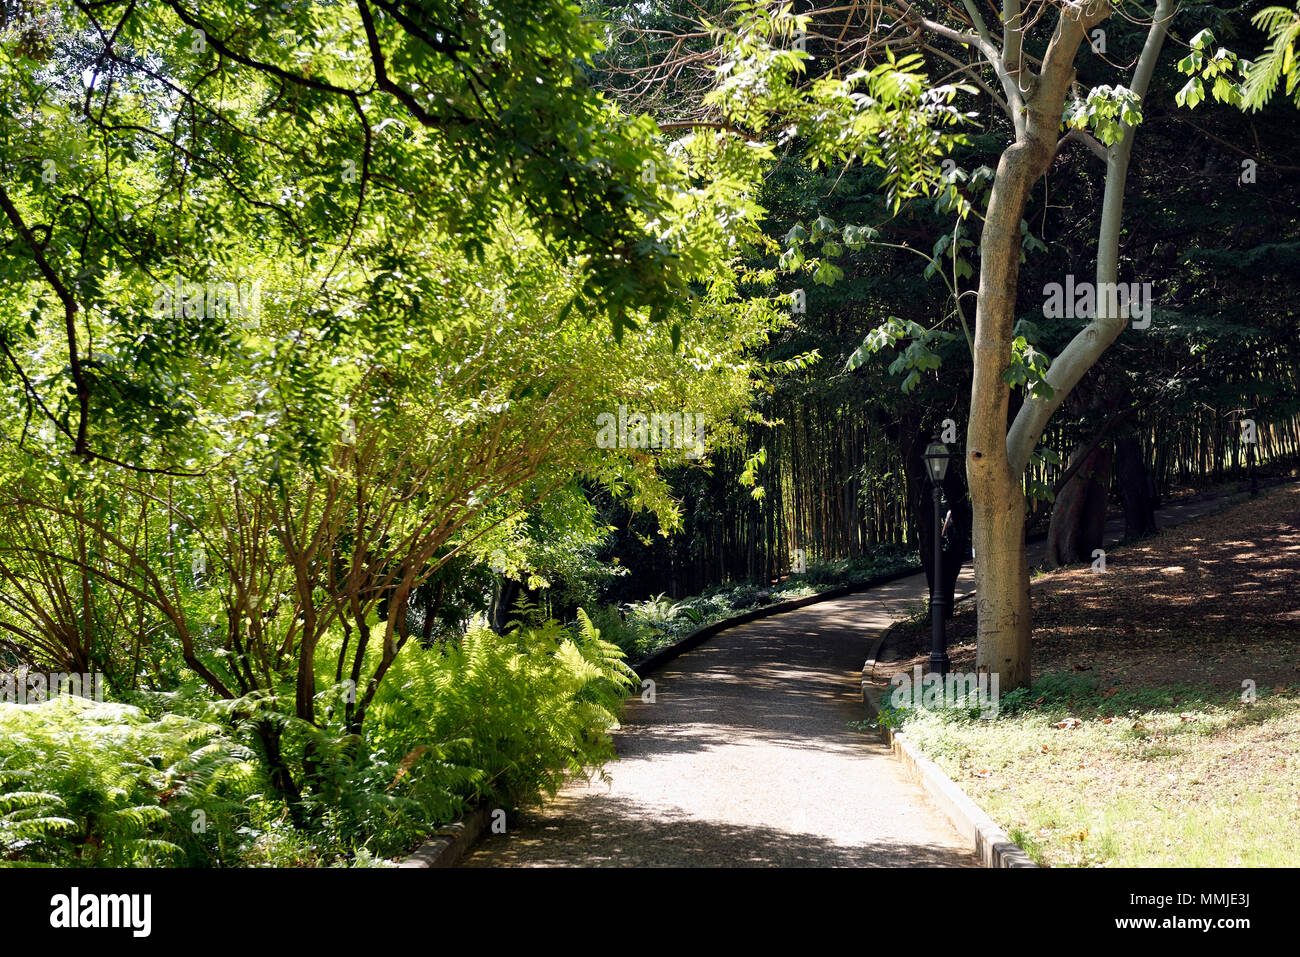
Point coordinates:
pixel 745 758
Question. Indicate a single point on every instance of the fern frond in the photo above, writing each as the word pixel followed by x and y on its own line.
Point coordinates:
pixel 1278 60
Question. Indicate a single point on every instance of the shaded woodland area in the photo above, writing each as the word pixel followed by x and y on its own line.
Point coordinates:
pixel 315 317
pixel 1162 410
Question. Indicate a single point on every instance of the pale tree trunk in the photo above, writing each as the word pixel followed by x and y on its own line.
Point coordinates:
pixel 995 456
pixel 1001 567
pixel 1091 341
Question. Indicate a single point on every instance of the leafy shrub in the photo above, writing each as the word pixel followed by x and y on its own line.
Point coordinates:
pixel 499 718
pixel 851 571
pixel 659 612
pixel 824 574
pixel 660 620
pixel 354 805
pixel 502 718
pixel 87 784
pixel 635 639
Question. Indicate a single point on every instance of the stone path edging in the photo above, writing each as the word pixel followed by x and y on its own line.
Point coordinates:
pixel 449 843
pixel 990 843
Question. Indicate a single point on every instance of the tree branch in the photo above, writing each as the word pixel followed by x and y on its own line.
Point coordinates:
pixel 981 41
pixel 1087 139
pixel 969 70
pixel 80 384
pixel 1092 340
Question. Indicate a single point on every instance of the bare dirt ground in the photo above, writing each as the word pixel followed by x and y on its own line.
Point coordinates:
pixel 1212 601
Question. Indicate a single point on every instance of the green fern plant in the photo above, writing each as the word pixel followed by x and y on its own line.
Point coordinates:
pixel 28 818
pixel 86 784
pixel 503 718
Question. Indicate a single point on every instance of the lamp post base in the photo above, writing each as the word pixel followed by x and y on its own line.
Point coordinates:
pixel 939 662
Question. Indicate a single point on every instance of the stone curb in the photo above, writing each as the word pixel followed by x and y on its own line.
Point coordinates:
pixel 989 842
pixel 449 843
pixel 696 638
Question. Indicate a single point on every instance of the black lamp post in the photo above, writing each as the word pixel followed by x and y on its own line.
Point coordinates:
pixel 936 464
pixel 1254 479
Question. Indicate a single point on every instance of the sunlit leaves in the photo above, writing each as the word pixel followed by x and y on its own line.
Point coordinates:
pixel 310 153
pixel 946 249
pixel 1279 60
pixel 1220 75
pixel 921 354
pixel 1108 111
pixel 1028 366
pixel 888 116
pixel 749 473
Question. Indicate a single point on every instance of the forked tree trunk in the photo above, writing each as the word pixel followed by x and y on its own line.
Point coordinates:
pixel 995 456
pixel 1001 567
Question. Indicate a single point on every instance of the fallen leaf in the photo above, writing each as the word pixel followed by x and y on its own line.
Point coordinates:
pixel 1068 723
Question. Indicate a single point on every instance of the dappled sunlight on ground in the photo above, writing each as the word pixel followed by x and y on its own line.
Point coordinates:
pixel 746 757
pixel 1179 607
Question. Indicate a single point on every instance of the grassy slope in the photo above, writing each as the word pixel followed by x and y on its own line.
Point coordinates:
pixel 1164 764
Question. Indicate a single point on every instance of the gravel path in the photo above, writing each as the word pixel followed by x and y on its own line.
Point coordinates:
pixel 745 758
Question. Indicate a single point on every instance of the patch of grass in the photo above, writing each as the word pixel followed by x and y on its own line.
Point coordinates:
pixel 1029 845
pixel 1157 776
pixel 1157 759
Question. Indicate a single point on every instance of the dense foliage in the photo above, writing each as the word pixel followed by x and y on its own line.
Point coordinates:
pixel 1210 223
pixel 293 342
pixel 313 314
pixel 490 718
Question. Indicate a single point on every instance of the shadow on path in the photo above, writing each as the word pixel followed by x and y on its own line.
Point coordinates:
pixel 746 758
pixel 575 832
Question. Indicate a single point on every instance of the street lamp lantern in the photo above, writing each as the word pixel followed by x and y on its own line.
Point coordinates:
pixel 936 464
pixel 936 461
